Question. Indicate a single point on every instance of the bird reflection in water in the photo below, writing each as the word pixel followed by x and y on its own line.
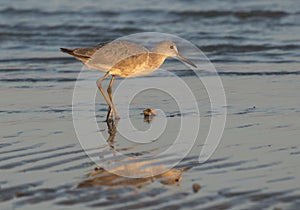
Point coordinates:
pixel 115 177
pixel 101 177
pixel 112 130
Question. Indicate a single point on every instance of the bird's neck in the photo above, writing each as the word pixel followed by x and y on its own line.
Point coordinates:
pixel 156 60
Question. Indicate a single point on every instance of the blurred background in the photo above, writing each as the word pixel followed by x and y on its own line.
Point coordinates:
pixel 229 32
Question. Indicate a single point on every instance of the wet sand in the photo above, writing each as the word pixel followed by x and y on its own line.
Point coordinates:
pixel 256 165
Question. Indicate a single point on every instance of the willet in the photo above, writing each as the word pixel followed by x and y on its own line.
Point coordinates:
pixel 124 59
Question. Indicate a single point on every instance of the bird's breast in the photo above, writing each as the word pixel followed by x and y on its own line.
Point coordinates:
pixel 137 65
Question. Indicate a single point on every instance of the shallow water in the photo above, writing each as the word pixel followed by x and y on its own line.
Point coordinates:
pixel 255 47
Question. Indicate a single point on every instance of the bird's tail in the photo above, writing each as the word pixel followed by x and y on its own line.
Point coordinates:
pixel 69 51
pixel 74 52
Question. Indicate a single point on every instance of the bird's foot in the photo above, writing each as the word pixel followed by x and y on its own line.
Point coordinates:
pixel 112 116
pixel 111 119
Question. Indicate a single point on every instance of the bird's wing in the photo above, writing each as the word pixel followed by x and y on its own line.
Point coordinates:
pixel 86 52
pixel 106 56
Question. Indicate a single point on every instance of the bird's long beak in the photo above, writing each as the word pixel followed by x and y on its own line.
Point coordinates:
pixel 186 60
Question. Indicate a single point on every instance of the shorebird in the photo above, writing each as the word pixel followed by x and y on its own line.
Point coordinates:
pixel 124 59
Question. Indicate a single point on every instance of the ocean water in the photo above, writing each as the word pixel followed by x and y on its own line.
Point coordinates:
pixel 255 47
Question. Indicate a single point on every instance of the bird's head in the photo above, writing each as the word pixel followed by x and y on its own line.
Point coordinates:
pixel 169 49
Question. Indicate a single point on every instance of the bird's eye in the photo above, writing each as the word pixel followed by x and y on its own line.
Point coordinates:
pixel 172 47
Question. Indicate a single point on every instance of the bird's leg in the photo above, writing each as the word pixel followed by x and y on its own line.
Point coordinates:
pixel 112 130
pixel 108 101
pixel 109 91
